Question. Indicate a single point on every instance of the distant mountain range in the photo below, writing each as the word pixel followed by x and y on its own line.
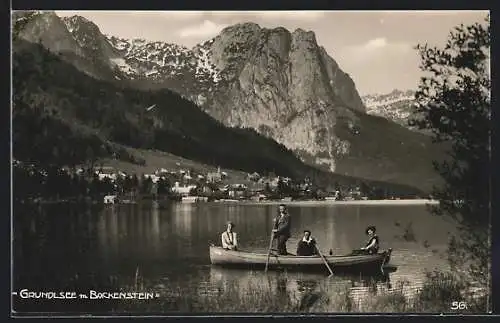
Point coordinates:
pixel 281 84
pixel 395 106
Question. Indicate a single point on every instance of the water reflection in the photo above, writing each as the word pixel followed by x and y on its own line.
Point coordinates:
pixel 296 287
pixel 154 233
pixel 183 218
pixel 169 245
pixel 281 289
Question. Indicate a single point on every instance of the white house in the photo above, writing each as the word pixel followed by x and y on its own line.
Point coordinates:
pixel 161 171
pixel 102 176
pixel 182 190
pixel 106 172
pixel 110 199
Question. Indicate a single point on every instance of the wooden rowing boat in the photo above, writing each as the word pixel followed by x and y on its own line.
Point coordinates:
pixel 230 258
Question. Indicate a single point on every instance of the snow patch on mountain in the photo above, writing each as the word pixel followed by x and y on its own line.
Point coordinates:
pixel 159 60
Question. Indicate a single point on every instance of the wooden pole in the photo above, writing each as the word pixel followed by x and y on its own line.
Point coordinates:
pixel 269 249
pixel 324 260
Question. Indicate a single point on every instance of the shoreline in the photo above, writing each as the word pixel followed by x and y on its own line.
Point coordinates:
pixel 249 202
pixel 333 202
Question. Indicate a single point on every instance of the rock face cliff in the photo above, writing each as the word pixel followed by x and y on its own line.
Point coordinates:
pixel 76 39
pixel 46 28
pixel 285 86
pixel 280 83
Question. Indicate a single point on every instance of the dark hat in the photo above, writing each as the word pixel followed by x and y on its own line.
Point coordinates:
pixel 371 227
pixel 307 231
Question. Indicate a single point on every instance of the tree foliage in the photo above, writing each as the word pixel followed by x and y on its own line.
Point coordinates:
pixel 453 101
pixel 177 125
pixel 51 182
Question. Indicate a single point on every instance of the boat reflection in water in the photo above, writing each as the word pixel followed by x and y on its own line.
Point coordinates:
pixel 297 288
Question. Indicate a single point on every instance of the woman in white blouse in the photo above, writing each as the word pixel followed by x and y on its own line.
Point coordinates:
pixel 229 238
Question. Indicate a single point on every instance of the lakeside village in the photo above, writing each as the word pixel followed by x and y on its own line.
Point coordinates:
pixel 110 186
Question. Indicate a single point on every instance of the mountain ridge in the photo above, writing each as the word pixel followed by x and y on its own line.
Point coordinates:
pixel 117 118
pixel 283 85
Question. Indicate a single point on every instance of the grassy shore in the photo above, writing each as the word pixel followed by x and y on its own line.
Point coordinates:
pixel 436 296
pixel 329 295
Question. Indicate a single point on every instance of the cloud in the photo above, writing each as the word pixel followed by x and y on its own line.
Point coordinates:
pixel 207 28
pixel 266 15
pixel 304 15
pixel 178 15
pixel 374 49
pixel 379 65
pixel 376 43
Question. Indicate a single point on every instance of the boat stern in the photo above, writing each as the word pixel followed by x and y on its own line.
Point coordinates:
pixel 385 261
pixel 387 258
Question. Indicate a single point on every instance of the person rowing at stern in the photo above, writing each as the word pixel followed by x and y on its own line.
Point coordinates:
pixel 229 238
pixel 372 245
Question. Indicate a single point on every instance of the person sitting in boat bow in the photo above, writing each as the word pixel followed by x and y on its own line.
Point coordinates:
pixel 372 245
pixel 307 245
pixel 229 238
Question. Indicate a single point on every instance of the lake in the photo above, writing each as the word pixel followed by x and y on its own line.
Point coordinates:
pixel 164 250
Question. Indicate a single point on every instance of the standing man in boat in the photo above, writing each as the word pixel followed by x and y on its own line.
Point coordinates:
pixel 373 242
pixel 229 238
pixel 281 229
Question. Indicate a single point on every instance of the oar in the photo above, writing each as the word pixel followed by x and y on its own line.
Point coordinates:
pixel 324 260
pixel 269 250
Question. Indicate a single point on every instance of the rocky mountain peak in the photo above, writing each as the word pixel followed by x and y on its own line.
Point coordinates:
pixel 241 28
pixel 46 19
pixel 49 30
pixel 46 14
pixel 300 34
pixel 91 40
pixel 81 23
pixel 285 86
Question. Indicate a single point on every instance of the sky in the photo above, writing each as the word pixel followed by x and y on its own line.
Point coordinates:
pixel 376 48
